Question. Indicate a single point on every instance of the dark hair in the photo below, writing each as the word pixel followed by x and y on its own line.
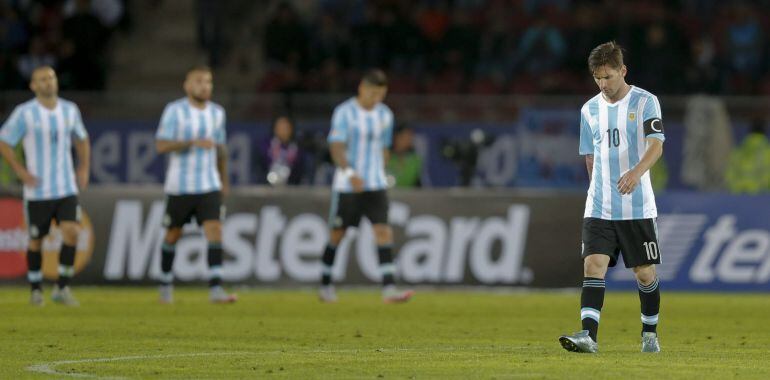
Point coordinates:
pixel 608 53
pixel 375 77
pixel 202 68
pixel 402 127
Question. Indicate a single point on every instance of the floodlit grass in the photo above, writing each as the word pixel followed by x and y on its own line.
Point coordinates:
pixel 123 332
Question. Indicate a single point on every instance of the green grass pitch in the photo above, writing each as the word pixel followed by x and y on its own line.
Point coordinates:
pixel 122 332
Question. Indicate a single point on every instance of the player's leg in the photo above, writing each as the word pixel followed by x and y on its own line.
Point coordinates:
pixel 167 255
pixel 639 244
pixel 649 296
pixel 69 234
pixel 178 209
pixel 67 214
pixel 34 271
pixel 38 215
pixel 343 213
pixel 210 212
pixel 600 251
pixel 375 207
pixel 592 294
pixel 327 259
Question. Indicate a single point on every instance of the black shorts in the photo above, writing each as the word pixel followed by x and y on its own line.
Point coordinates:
pixel 180 209
pixel 41 213
pixel 347 209
pixel 636 240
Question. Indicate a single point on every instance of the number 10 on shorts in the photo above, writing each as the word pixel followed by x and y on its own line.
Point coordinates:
pixel 651 248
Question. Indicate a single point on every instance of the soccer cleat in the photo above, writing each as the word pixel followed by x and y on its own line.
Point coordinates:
pixel 392 295
pixel 64 296
pixel 218 295
pixel 579 342
pixel 36 298
pixel 166 294
pixel 327 294
pixel 650 342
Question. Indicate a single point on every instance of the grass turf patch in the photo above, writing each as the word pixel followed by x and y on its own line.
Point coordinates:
pixel 124 332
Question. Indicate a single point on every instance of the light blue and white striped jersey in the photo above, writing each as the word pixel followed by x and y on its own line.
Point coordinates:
pixel 366 133
pixel 47 138
pixel 614 134
pixel 194 170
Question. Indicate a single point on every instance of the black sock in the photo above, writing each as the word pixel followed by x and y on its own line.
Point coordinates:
pixel 591 302
pixel 34 275
pixel 66 265
pixel 649 295
pixel 215 264
pixel 385 253
pixel 167 253
pixel 327 261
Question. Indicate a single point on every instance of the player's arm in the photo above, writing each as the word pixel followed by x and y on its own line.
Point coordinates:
pixel 10 134
pixel 168 146
pixel 590 165
pixel 586 143
pixel 337 139
pixel 83 151
pixel 653 130
pixel 387 141
pixel 338 151
pixel 165 138
pixel 10 157
pixel 222 156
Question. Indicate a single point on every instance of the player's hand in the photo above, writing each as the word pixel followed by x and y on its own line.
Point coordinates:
pixel 357 183
pixel 28 179
pixel 225 190
pixel 83 178
pixel 204 143
pixel 628 182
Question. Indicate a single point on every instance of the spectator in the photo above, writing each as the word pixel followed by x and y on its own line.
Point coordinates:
pixel 280 156
pixel 748 170
pixel 404 165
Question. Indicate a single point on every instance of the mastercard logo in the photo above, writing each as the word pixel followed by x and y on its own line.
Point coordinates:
pixel 13 243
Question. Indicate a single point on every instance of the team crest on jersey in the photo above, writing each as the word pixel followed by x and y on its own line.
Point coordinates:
pixel 632 116
pixel 34 232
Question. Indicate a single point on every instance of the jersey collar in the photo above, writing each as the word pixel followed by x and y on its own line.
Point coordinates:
pixel 623 100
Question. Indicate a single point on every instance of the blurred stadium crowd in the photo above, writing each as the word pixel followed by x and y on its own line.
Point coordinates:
pixel 519 46
pixel 70 35
pixel 428 46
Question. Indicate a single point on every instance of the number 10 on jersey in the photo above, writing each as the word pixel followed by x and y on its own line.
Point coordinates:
pixel 613 137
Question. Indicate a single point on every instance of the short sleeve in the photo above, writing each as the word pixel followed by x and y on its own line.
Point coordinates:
pixel 387 136
pixel 652 111
pixel 339 129
pixel 78 128
pixel 586 136
pixel 14 128
pixel 220 133
pixel 168 124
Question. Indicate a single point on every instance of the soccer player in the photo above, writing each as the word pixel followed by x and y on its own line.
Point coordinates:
pixel 47 126
pixel 361 133
pixel 192 131
pixel 621 136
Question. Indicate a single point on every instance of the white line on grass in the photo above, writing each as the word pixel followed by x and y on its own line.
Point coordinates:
pixel 49 368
